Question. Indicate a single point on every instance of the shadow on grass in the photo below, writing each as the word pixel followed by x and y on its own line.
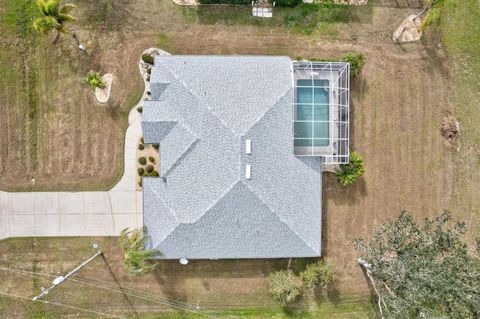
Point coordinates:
pixel 117 282
pixel 305 18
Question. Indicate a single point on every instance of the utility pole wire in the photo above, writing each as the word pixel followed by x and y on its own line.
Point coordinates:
pixel 62 305
pixel 57 281
pixel 168 303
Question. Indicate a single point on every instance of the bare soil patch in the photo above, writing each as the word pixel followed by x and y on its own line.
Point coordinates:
pixel 450 129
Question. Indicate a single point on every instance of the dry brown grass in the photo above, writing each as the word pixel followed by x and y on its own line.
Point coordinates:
pixel 397 107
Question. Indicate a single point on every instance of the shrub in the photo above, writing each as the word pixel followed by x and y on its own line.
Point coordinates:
pixel 318 274
pixel 287 3
pixel 156 146
pixel 141 147
pixel 235 2
pixel 149 169
pixel 140 171
pixel 154 174
pixel 149 71
pixel 140 183
pixel 151 159
pixel 137 259
pixel 147 58
pixel 285 286
pixel 349 173
pixel 357 61
pixel 94 81
pixel 142 160
pixel 140 109
pixel 142 140
pixel 148 78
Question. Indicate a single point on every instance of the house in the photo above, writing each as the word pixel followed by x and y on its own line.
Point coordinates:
pixel 242 144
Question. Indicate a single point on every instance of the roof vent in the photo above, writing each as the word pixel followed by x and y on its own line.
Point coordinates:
pixel 248 171
pixel 248 146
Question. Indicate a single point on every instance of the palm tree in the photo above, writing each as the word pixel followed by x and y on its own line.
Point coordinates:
pixel 137 259
pixel 349 173
pixel 55 17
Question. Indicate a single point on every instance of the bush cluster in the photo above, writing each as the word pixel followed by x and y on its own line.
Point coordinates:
pixel 279 3
pixel 149 168
pixel 140 171
pixel 317 274
pixel 286 287
pixel 357 61
pixel 147 58
pixel 349 173
pixel 141 147
pixel 142 160
pixel 151 159
pixel 287 3
pixel 235 2
pixel 94 80
pixel 156 146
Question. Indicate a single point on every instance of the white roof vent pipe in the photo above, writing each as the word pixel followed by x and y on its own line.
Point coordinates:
pixel 248 146
pixel 248 171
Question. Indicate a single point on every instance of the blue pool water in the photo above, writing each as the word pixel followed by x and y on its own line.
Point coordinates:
pixel 312 106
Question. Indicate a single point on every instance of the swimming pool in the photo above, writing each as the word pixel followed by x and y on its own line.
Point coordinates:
pixel 311 127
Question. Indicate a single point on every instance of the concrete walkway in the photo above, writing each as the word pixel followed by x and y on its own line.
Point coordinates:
pixel 81 213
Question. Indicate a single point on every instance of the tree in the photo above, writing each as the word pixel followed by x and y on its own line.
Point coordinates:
pixel 349 173
pixel 137 259
pixel 55 17
pixel 422 271
pixel 357 61
pixel 433 12
pixel 316 274
pixel 285 286
pixel 94 81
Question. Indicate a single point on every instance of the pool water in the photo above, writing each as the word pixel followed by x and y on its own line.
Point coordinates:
pixel 312 106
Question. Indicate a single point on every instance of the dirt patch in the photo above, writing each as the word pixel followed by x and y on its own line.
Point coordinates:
pixel 450 129
pixel 409 30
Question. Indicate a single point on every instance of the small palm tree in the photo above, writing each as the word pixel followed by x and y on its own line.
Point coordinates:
pixel 137 259
pixel 94 81
pixel 349 173
pixel 55 17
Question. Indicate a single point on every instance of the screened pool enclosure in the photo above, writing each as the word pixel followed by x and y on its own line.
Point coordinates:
pixel 321 110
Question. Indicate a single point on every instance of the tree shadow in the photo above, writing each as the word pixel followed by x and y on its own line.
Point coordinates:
pixel 172 279
pixel 329 294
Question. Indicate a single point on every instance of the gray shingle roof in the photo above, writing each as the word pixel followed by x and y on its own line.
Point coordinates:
pixel 205 108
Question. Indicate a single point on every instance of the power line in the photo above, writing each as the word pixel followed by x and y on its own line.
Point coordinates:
pixel 62 305
pixel 168 303
pixel 35 274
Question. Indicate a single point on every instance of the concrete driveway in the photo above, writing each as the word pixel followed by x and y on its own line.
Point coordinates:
pixel 82 213
pixel 77 213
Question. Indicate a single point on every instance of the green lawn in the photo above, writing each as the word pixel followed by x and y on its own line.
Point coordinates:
pixel 233 289
pixel 306 19
pixel 460 31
